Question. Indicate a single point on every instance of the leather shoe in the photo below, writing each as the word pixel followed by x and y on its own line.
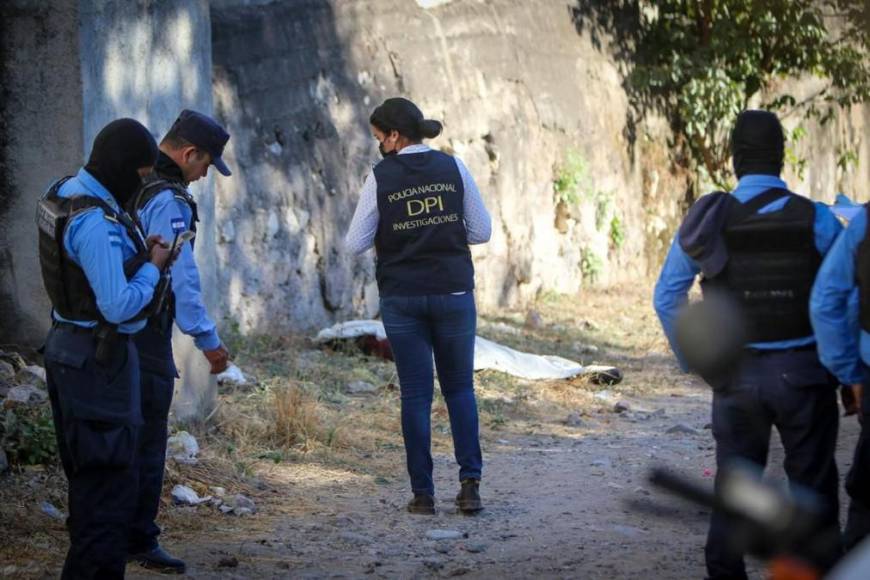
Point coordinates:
pixel 468 499
pixel 422 504
pixel 158 560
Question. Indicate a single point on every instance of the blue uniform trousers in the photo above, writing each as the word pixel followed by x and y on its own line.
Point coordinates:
pixel 157 372
pixel 790 390
pixel 443 325
pixel 96 418
pixel 858 479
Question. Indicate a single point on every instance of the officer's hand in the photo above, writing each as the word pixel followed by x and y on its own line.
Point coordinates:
pixel 858 394
pixel 159 255
pixel 851 396
pixel 155 239
pixel 218 359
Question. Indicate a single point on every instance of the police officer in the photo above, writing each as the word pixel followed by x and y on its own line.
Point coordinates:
pixel 840 312
pixel 420 208
pixel 761 245
pixel 164 207
pixel 100 277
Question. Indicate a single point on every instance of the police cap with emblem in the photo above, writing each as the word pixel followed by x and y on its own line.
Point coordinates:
pixel 205 133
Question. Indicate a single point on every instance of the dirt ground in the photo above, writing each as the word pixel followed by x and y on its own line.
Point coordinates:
pixel 561 470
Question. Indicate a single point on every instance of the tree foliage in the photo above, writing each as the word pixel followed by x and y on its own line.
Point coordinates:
pixel 703 61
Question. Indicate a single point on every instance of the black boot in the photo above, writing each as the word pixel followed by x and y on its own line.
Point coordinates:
pixel 468 498
pixel 422 504
pixel 158 560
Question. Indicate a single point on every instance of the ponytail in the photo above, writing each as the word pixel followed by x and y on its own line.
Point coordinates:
pixel 430 128
pixel 403 116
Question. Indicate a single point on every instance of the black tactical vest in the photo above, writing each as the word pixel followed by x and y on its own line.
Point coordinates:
pixel 862 273
pixel 421 240
pixel 155 184
pixel 65 282
pixel 772 260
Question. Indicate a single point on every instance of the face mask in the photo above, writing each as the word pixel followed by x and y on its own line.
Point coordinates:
pixel 385 154
pixel 120 149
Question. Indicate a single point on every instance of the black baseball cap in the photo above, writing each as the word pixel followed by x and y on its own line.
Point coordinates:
pixel 204 132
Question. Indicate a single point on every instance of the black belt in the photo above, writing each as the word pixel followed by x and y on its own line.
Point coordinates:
pixel 76 329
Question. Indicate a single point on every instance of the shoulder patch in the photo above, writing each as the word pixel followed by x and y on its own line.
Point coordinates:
pixel 178 225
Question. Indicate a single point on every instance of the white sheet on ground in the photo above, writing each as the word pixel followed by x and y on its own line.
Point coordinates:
pixel 487 354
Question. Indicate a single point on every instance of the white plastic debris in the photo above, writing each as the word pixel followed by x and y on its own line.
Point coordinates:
pixel 360 388
pixel 183 495
pixel 239 505
pixel 487 355
pixel 51 511
pixel 26 394
pixel 32 374
pixel 352 329
pixel 426 4
pixel 491 355
pixel 445 535
pixel 232 376
pixel 183 448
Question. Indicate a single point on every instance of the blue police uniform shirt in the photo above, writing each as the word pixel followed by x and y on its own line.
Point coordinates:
pixel 165 215
pixel 679 270
pixel 100 247
pixel 834 307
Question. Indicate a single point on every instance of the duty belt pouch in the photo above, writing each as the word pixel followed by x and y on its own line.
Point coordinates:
pixel 106 344
pixel 101 444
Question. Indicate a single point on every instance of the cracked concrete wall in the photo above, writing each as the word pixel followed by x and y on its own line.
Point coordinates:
pixel 68 68
pixel 149 59
pixel 40 137
pixel 517 88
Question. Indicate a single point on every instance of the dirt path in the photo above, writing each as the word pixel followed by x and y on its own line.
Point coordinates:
pixel 557 495
pixel 556 508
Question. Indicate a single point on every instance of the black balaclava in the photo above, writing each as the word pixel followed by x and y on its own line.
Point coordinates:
pixel 120 149
pixel 757 144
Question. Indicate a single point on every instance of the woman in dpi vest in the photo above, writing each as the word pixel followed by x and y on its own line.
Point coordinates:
pixel 421 209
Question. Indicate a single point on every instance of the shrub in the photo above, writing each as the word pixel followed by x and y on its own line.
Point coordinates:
pixel 573 181
pixel 27 434
pixel 591 265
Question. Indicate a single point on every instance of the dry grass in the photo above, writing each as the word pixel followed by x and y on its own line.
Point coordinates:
pixel 295 427
pixel 296 420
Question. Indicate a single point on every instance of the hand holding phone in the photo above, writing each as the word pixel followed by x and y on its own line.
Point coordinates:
pixel 181 239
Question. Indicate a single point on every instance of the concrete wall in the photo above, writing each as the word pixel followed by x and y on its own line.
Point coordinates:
pixel 40 139
pixel 149 59
pixel 517 87
pixel 69 68
pixel 517 84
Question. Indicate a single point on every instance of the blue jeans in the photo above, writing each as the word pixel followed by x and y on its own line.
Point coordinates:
pixel 417 327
